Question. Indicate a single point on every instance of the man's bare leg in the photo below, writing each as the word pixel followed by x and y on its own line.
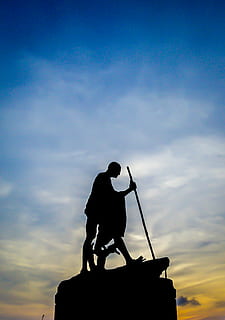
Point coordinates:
pixel 87 256
pixel 120 244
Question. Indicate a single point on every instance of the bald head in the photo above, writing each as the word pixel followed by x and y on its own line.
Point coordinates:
pixel 114 169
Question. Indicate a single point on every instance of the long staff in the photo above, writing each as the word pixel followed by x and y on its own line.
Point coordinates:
pixel 142 216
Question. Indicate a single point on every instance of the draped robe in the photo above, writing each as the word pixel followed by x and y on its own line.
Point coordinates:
pixel 107 207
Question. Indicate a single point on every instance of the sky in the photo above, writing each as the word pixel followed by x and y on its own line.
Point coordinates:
pixel 84 83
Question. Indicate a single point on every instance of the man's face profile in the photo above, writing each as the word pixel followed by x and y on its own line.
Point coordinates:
pixel 116 172
pixel 114 169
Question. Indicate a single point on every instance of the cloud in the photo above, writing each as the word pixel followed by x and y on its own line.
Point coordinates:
pixel 220 304
pixel 183 301
pixel 5 188
pixel 214 318
pixel 190 168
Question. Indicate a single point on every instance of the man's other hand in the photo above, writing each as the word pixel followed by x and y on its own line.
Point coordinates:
pixel 133 185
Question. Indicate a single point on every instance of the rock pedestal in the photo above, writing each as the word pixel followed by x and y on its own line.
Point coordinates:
pixel 123 293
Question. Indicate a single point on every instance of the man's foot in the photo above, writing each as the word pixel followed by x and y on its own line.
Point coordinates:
pixel 101 262
pixel 135 261
pixel 83 271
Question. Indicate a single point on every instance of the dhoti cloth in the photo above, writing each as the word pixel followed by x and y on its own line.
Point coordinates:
pixel 113 223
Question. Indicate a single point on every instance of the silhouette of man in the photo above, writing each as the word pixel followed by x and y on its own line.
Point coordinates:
pixel 105 207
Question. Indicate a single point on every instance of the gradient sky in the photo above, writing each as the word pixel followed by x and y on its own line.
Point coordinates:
pixel 83 83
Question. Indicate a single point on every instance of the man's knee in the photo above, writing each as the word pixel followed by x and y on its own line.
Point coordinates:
pixel 88 241
pixel 117 239
pixel 91 231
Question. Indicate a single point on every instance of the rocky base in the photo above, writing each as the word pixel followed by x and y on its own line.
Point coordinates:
pixel 122 293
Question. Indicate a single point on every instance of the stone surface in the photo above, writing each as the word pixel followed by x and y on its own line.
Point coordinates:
pixel 121 293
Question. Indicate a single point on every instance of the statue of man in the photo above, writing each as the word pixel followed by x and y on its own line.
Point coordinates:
pixel 106 210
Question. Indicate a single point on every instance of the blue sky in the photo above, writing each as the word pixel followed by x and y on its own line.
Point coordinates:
pixel 85 83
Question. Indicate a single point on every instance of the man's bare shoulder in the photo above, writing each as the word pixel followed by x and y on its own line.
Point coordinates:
pixel 102 176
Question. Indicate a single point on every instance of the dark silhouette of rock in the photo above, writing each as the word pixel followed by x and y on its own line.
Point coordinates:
pixel 126 292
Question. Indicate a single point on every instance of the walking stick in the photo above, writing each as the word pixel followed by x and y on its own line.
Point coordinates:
pixel 142 217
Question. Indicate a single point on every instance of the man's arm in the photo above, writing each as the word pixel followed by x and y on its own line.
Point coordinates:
pixel 132 187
